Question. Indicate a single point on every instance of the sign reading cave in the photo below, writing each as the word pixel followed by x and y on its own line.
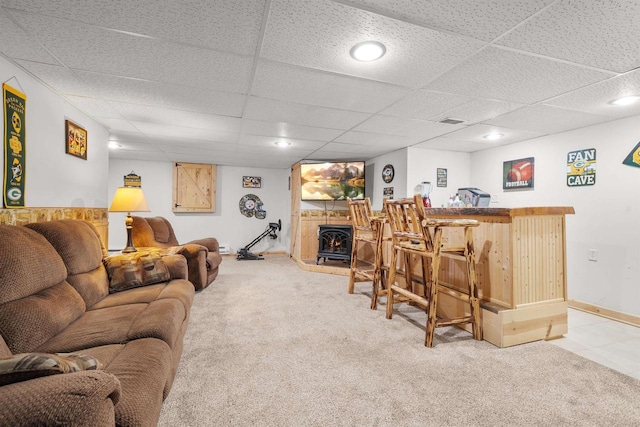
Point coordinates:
pixel 581 168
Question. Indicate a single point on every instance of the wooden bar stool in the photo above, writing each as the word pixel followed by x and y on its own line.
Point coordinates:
pixel 369 230
pixel 412 235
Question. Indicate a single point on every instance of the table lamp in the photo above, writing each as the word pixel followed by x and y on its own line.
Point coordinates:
pixel 129 199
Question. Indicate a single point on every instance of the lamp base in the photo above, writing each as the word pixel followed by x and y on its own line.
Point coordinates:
pixel 129 224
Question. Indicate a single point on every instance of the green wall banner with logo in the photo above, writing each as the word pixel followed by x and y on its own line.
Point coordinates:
pixel 14 146
pixel 633 159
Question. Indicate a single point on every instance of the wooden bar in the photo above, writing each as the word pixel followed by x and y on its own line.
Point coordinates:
pixel 521 269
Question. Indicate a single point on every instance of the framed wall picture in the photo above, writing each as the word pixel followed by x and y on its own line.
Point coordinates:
pixel 518 174
pixel 251 182
pixel 387 192
pixel 441 175
pixel 75 140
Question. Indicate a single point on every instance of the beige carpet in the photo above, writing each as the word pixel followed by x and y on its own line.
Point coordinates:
pixel 272 345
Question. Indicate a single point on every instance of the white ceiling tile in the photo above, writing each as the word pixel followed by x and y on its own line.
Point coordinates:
pixel 602 34
pixel 322 155
pixel 514 77
pixel 270 142
pixel 117 125
pixel 595 99
pixel 449 144
pixel 222 24
pixel 176 145
pixel 376 139
pixel 477 110
pixel 180 132
pixel 483 20
pixel 21 46
pixel 96 107
pixel 301 114
pixel 148 156
pixel 417 129
pixel 60 79
pixel 96 49
pixel 144 113
pixel 422 104
pixel 288 130
pixel 320 33
pixel 477 132
pixel 179 97
pixel 368 150
pixel 305 86
pixel 135 146
pixel 546 119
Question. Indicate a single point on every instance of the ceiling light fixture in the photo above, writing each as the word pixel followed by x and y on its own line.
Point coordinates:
pixel 626 100
pixel 283 144
pixel 368 51
pixel 114 145
pixel 493 136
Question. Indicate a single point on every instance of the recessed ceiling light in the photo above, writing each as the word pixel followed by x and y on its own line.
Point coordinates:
pixel 626 100
pixel 114 145
pixel 368 51
pixel 283 143
pixel 493 136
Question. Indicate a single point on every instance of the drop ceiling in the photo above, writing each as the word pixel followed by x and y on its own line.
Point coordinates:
pixel 222 81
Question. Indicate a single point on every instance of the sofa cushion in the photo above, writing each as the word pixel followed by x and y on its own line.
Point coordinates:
pixel 26 366
pixel 133 270
pixel 144 367
pixel 160 319
pixel 160 229
pixel 29 322
pixel 179 289
pixel 77 242
pixel 28 263
pixel 80 248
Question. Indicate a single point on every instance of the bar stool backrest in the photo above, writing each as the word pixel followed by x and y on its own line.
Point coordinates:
pixel 405 219
pixel 360 211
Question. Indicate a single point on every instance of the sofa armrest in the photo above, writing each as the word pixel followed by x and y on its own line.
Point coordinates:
pixel 210 243
pixel 85 398
pixel 196 256
pixel 177 265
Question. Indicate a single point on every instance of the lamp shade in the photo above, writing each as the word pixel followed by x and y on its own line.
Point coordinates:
pixel 129 199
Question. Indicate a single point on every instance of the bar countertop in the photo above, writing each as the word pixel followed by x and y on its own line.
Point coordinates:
pixel 502 212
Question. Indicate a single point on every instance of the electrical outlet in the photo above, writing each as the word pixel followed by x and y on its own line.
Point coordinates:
pixel 494 198
pixel 593 254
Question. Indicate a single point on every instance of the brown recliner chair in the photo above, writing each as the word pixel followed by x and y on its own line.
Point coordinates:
pixel 203 255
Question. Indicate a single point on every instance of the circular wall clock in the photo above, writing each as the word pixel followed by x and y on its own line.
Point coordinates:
pixel 388 173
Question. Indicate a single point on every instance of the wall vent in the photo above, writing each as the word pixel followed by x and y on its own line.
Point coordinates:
pixel 451 121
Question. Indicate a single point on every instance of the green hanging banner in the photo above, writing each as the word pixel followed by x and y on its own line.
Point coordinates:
pixel 14 146
pixel 633 159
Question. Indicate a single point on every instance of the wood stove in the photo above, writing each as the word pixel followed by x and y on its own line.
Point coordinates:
pixel 334 242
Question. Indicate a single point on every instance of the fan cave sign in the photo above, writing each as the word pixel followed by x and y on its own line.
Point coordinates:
pixel 581 167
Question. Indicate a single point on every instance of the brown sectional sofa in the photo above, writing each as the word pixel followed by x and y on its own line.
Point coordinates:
pixel 203 255
pixel 54 298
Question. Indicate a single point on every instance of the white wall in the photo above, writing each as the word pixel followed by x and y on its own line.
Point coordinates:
pixel 226 224
pixel 607 214
pixel 53 178
pixel 398 159
pixel 423 164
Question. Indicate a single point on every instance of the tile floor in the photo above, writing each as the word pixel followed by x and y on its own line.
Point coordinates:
pixel 607 342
